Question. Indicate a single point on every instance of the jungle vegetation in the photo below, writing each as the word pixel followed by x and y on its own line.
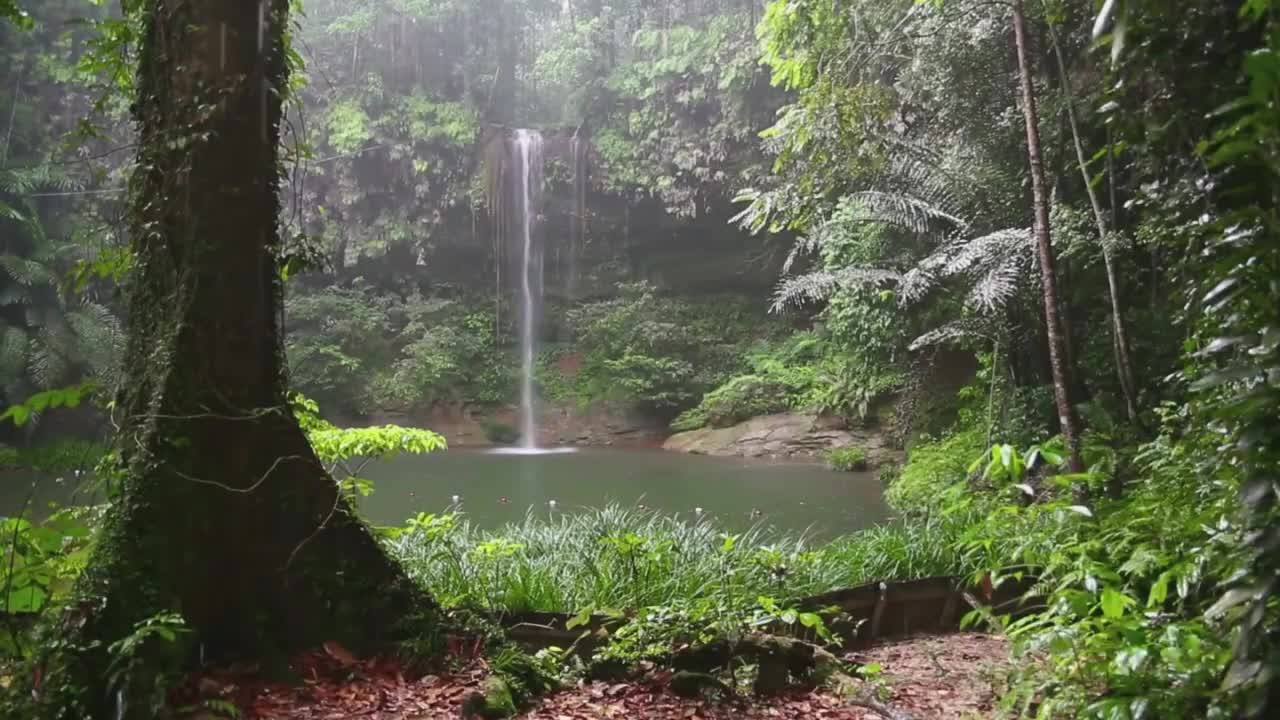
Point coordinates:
pixel 217 223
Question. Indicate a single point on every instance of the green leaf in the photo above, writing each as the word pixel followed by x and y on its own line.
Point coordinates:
pixel 1114 603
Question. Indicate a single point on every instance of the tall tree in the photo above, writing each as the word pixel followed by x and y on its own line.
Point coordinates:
pixel 1058 356
pixel 1120 335
pixel 226 515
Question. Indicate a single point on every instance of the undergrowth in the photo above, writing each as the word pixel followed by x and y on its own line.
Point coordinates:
pixel 626 558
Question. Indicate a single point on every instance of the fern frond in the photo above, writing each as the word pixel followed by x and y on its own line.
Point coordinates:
pixel 953 332
pixel 804 246
pixel 8 212
pixel 14 344
pixel 25 271
pixel 818 286
pixel 46 365
pixel 993 249
pixel 906 211
pixel 995 265
pixel 99 341
pixel 15 294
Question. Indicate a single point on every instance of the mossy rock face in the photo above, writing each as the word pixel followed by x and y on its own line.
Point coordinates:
pixel 493 701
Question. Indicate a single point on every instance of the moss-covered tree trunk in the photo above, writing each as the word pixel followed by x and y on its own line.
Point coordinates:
pixel 226 516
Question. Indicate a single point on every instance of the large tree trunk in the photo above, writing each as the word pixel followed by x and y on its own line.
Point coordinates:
pixel 1058 356
pixel 226 516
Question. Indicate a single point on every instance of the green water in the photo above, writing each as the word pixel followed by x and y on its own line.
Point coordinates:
pixel 734 492
pixel 789 495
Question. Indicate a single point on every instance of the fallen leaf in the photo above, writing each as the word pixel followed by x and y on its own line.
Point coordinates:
pixel 339 653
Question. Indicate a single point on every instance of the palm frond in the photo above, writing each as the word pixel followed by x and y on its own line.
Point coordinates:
pixel 818 286
pixel 15 294
pixel 14 343
pixel 25 271
pixel 905 210
pixel 995 266
pixel 100 341
pixel 46 364
pixel 953 332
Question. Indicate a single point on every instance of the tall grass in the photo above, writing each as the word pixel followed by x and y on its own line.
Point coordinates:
pixel 623 558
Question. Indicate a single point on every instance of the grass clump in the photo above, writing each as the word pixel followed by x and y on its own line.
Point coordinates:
pixel 624 558
pixel 847 459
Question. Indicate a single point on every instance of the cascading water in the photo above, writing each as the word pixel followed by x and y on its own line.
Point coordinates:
pixel 520 184
pixel 528 147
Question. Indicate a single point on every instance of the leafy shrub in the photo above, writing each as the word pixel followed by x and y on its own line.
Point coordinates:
pixel 742 398
pixel 450 358
pixel 933 466
pixel 848 459
pixel 659 352
pixel 802 372
pixel 337 338
pixel 500 433
pixel 1121 598
pixel 42 559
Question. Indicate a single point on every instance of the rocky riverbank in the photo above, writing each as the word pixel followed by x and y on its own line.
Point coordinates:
pixel 790 434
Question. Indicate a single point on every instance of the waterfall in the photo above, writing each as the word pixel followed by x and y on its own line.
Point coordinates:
pixel 515 193
pixel 528 151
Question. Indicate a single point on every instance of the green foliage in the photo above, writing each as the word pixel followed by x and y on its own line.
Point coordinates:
pixel 346 452
pixel 9 10
pixel 933 467
pixel 626 559
pixel 803 372
pixel 742 398
pixel 41 561
pixel 357 350
pixel 1240 341
pixel 450 356
pixel 1124 587
pixel 348 127
pixel 145 663
pixel 500 433
pixel 68 397
pixel 681 126
pixel 659 352
pixel 848 459
pixel 60 456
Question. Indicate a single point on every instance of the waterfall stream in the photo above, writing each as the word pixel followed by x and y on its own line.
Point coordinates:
pixel 522 184
pixel 528 146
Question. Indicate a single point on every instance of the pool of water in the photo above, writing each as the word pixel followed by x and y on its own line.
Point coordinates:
pixel 495 489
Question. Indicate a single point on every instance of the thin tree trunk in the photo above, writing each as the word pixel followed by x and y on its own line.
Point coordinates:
pixel 226 515
pixel 1058 357
pixel 1120 339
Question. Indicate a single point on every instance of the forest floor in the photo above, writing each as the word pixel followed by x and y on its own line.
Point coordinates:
pixel 939 677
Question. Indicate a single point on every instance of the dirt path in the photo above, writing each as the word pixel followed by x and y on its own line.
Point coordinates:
pixel 944 677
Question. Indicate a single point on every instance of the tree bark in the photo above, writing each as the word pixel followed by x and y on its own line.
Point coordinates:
pixel 1058 356
pixel 225 516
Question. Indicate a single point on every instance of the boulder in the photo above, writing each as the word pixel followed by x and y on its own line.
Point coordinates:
pixel 790 434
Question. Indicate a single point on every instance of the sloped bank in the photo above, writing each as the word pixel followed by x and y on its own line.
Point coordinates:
pixel 790 434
